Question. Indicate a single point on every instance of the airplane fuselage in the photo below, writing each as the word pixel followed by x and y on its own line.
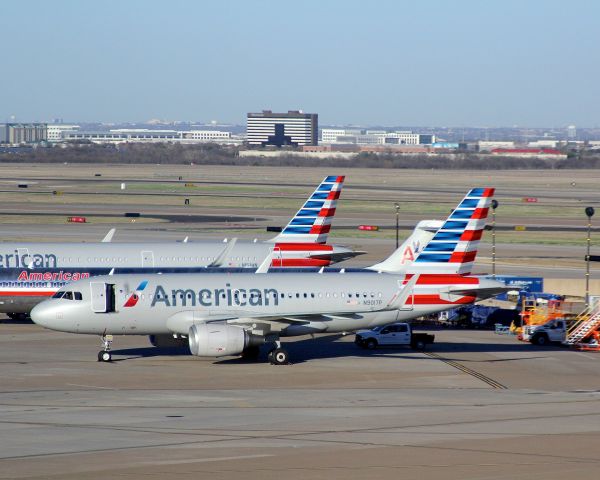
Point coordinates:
pixel 307 302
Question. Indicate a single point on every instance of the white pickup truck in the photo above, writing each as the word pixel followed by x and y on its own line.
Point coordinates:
pixel 393 334
pixel 554 331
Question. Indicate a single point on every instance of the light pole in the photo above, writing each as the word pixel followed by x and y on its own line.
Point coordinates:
pixel 397 205
pixel 589 211
pixel 494 207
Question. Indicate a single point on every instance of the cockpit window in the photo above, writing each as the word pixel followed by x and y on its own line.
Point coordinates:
pixel 58 295
pixel 78 295
pixel 68 296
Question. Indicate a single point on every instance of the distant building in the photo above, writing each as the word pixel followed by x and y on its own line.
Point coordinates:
pixel 530 152
pixel 572 132
pixel 374 137
pixel 206 135
pixel 488 146
pixel 19 133
pixel 292 128
pixel 55 131
pixel 544 143
pixel 144 135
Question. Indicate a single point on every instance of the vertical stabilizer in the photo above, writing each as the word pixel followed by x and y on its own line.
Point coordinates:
pixel 405 255
pixel 453 248
pixel 312 222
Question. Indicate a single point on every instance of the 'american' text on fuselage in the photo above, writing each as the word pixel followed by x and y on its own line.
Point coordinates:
pixel 47 260
pixel 205 297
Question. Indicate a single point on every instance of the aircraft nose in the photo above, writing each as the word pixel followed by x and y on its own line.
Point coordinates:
pixel 49 315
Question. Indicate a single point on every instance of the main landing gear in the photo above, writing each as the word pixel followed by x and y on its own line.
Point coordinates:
pixel 278 355
pixel 104 355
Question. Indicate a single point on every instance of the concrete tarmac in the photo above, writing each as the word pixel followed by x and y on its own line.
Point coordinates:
pixel 477 405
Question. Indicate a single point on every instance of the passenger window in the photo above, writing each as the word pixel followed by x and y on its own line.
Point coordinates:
pixel 402 328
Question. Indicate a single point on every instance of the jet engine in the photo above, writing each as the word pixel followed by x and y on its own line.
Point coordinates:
pixel 168 341
pixel 219 340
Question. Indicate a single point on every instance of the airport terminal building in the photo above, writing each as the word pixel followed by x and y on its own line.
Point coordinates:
pixel 293 128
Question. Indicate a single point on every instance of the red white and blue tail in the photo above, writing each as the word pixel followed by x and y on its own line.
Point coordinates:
pixel 312 222
pixel 453 248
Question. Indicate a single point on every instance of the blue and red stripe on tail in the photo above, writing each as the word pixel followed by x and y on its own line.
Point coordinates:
pixel 453 248
pixel 312 222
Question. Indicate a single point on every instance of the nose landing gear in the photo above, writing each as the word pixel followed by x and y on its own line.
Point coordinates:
pixel 104 355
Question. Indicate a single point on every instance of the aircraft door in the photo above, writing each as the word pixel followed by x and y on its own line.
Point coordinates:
pixel 103 297
pixel 147 259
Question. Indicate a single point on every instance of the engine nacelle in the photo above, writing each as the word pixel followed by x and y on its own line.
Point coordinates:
pixel 168 341
pixel 218 340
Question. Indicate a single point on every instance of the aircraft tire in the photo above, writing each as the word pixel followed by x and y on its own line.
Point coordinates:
pixel 279 356
pixel 104 356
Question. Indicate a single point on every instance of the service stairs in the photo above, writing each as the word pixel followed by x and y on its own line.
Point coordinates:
pixel 585 323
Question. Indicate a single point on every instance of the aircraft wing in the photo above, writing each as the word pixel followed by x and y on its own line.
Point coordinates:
pixel 181 322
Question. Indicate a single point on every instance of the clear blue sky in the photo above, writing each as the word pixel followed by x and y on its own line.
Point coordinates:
pixel 419 62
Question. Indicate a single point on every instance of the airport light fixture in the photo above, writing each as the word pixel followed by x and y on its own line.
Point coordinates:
pixel 397 206
pixel 589 211
pixel 494 207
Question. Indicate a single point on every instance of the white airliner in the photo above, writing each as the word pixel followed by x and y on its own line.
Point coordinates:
pixel 31 272
pixel 232 314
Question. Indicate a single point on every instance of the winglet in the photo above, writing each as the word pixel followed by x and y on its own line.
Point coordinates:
pixel 109 236
pixel 222 258
pixel 266 263
pixel 399 299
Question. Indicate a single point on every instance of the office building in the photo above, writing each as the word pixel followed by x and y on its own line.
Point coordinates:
pixel 55 131
pixel 374 137
pixel 293 128
pixel 20 133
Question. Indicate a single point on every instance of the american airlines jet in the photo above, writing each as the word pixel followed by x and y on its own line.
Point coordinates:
pixel 232 314
pixel 21 289
pixel 30 272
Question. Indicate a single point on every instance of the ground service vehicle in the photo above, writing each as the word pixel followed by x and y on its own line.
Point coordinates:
pixel 394 334
pixel 554 331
